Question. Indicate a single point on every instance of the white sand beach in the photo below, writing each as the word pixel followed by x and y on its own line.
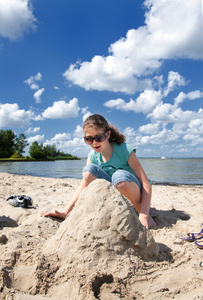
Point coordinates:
pixel 100 251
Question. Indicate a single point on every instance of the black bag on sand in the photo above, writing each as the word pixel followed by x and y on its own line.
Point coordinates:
pixel 20 201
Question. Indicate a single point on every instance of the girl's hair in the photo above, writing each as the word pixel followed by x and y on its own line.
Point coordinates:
pixel 100 122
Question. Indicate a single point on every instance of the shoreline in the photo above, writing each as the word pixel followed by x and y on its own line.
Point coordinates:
pixel 154 183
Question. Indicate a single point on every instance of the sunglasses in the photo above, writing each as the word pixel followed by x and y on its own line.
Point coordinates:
pixel 98 138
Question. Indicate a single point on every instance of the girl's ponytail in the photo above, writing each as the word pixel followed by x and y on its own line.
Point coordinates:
pixel 116 136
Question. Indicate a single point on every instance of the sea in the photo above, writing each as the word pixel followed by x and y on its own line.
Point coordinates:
pixel 172 171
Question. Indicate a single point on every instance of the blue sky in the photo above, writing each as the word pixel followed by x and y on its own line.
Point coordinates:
pixel 138 63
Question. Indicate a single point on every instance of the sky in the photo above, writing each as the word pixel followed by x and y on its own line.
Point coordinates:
pixel 138 63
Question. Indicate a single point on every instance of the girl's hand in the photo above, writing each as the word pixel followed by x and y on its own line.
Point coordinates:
pixel 56 213
pixel 147 221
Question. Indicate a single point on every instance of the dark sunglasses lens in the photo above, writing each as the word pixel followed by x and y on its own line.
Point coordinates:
pixel 88 140
pixel 100 138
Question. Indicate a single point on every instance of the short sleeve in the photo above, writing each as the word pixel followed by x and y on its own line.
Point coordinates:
pixel 126 150
pixel 91 156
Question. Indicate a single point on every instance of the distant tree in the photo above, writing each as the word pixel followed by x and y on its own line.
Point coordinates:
pixel 7 143
pixel 50 150
pixel 20 144
pixel 37 151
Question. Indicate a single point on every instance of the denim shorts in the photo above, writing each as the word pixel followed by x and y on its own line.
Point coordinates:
pixel 118 176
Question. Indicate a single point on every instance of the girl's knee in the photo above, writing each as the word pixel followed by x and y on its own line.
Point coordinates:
pixel 121 185
pixel 88 177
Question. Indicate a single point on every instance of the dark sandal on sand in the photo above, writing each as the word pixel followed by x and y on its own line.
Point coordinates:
pixel 199 244
pixel 193 236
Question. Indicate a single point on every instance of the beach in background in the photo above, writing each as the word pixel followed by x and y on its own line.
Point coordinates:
pixel 44 257
pixel 160 171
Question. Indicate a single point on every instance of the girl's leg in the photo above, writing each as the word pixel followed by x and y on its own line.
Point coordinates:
pixel 132 192
pixel 129 186
pixel 92 172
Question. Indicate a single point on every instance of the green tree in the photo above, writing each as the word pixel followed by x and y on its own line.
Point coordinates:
pixel 37 151
pixel 20 144
pixel 7 143
pixel 51 150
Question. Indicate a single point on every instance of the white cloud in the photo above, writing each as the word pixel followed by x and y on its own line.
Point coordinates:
pixel 12 116
pixel 62 110
pixel 173 29
pixel 36 138
pixel 174 80
pixel 149 128
pixel 132 136
pixel 75 146
pixel 32 130
pixel 145 103
pixel 16 18
pixel 38 95
pixel 193 95
pixel 34 86
pixel 79 132
pixel 61 137
pixel 137 139
pixel 97 75
pixel 168 113
pixel 194 132
pixel 56 88
pixel 31 81
pixel 86 113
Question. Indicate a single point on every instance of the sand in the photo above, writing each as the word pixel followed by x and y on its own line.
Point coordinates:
pixel 100 251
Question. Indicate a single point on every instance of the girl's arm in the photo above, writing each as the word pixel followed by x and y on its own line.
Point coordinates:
pixel 144 216
pixel 70 206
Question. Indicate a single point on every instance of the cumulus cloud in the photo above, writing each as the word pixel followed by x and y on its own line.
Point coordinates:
pixel 62 110
pixel 16 18
pixel 190 96
pixel 145 103
pixel 143 50
pixel 86 113
pixel 167 113
pixel 61 137
pixel 194 132
pixel 38 94
pixel 149 128
pixel 12 116
pixel 32 130
pixel 32 81
pixel 174 80
pixel 66 144
pixel 157 138
pixel 36 138
pixel 78 132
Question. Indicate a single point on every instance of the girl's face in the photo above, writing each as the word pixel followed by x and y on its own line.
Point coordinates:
pixel 97 138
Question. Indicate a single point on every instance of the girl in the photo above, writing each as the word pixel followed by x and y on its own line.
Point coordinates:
pixel 115 161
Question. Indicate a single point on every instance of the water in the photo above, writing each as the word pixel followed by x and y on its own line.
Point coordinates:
pixel 174 170
pixel 161 171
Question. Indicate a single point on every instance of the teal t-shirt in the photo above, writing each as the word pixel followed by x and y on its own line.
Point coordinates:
pixel 118 160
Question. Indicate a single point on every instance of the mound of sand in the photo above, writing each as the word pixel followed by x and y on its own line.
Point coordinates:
pixel 100 241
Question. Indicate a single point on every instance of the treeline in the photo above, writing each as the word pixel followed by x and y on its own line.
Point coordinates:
pixel 12 146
